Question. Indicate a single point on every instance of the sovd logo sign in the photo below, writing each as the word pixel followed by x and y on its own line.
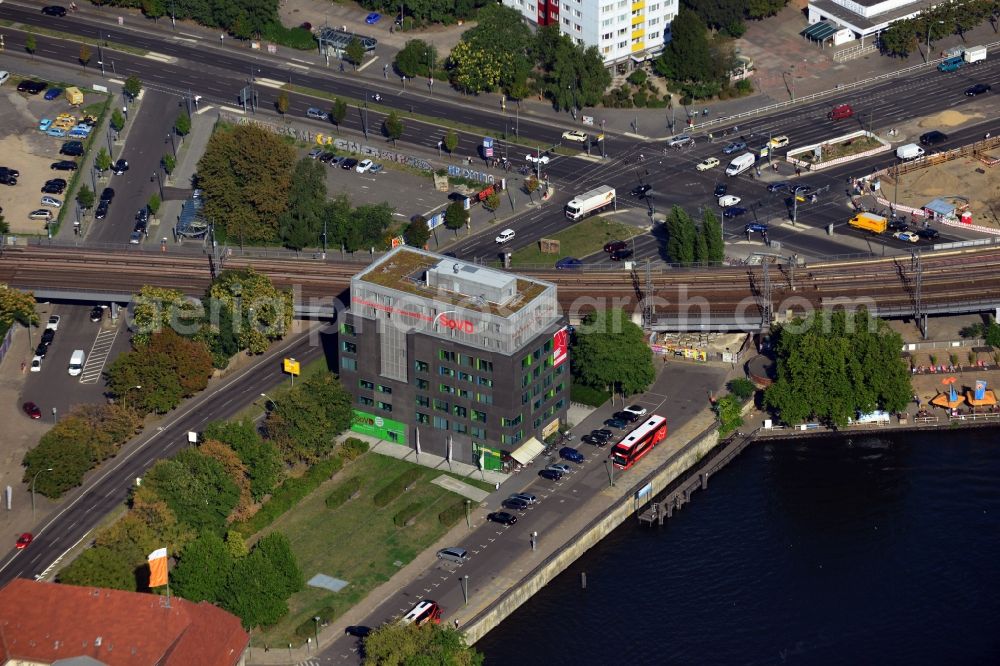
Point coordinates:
pixel 464 326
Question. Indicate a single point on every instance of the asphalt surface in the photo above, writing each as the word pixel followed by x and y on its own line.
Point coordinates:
pixel 81 510
pixel 678 394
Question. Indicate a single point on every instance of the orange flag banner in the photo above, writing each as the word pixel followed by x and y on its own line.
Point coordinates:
pixel 158 567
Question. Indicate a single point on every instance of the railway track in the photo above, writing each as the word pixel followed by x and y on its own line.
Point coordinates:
pixel 889 282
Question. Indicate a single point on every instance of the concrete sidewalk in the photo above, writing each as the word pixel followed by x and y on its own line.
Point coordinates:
pixel 189 150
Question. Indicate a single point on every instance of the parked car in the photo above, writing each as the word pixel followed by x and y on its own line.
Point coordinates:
pixel 40 214
pixel 315 153
pixel 568 263
pixel 56 132
pixel 24 541
pixel 550 474
pixel 373 18
pixel 48 335
pixel 735 147
pixel 734 211
pixel 615 423
pixel 31 87
pixel 135 238
pixel 620 255
pixel 358 631
pixel 8 179
pixel 326 157
pixel 906 236
pixel 603 432
pixel 453 554
pixel 101 211
pixel 527 497
pixel 52 93
pixel 575 136
pixel 317 114
pixel 4 75
pixel 721 189
pixel 571 454
pixel 628 417
pixel 32 410
pixel 42 350
pixel 36 364
pixel 97 313
pixel 641 190
pixel 978 89
pixel 348 163
pixel 63 165
pixel 562 468
pixel 514 504
pixel 502 517
pixel 51 201
pixel 53 323
pixel 44 124
pixel 54 186
pixel 376 168
pixel 71 148
pixel 119 167
pixel 107 194
pixel 707 163
pixel 363 166
pixel 897 224
pixel 928 234
pixel 614 246
pixel 638 410
pixel 596 441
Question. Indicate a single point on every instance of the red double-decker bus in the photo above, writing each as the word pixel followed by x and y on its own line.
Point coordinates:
pixel 639 442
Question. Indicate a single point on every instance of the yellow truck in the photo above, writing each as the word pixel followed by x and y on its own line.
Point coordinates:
pixel 74 96
pixel 876 224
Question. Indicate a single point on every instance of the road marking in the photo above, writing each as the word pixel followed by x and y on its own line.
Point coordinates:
pixel 233 109
pixel 98 356
pixel 203 109
pixel 362 68
pixel 270 83
pixel 159 57
pixel 119 82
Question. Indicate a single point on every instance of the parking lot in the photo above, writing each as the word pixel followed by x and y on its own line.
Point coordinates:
pixel 52 386
pixel 31 152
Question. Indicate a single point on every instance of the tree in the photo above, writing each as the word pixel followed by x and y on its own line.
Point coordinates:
pixel 183 124
pixel 157 308
pixel 117 120
pixel 237 471
pixel 392 127
pixel 16 305
pixel 84 55
pixel 133 86
pixel 202 569
pixel 85 197
pixel 281 103
pixel 455 216
pixel 307 418
pixel 492 202
pixel 196 487
pixel 574 76
pixel 416 232
pixel 276 549
pixel 301 225
pixel 169 163
pixel 103 160
pixel 101 567
pixel 4 226
pixel 451 141
pixel 610 352
pixel 338 112
pixel 416 58
pixel 153 204
pixel 245 176
pixel 700 246
pixel 261 312
pixel 253 591
pixel 834 366
pixel 681 236
pixel 168 369
pixel 262 459
pixel 712 230
pixel 395 644
pixel 729 409
pixel 690 61
pixel 355 52
pixel 741 387
pixel 30 45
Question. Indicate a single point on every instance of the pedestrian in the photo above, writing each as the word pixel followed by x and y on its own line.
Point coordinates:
pixel 341 65
pixel 385 71
pixel 798 171
pixel 456 624
pixel 23 366
pixel 497 485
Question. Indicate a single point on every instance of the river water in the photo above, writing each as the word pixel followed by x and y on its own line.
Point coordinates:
pixel 860 550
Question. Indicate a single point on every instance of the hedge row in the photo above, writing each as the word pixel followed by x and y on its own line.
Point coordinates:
pixel 353 448
pixel 406 513
pixel 588 396
pixel 290 493
pixel 397 486
pixel 308 628
pixel 343 492
pixel 452 514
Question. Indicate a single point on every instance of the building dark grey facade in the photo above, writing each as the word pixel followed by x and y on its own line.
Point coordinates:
pixel 453 358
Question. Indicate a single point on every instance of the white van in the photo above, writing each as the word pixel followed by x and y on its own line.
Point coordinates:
pixel 76 362
pixel 910 151
pixel 740 164
pixel 505 236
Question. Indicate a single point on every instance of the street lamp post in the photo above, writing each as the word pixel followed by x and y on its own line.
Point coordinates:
pixel 610 466
pixel 173 146
pixel 156 175
pixel 465 588
pixel 927 41
pixel 33 490
pixel 268 398
pixel 468 513
pixel 125 394
pixel 534 540
pixel 316 629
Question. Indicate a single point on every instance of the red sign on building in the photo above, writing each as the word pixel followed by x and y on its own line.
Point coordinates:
pixel 560 346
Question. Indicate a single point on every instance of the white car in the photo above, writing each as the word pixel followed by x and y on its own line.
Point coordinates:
pixel 4 75
pixel 505 236
pixel 707 164
pixel 574 135
pixel 544 159
pixel 53 323
pixel 679 140
pixel 36 364
pixel 51 201
pixel 638 410
pixel 729 200
pixel 907 236
pixel 779 141
pixel 363 166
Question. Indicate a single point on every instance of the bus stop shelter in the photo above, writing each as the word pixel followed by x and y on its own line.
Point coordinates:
pixel 333 41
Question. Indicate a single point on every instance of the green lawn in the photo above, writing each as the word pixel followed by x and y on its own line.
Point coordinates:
pixel 583 238
pixel 358 541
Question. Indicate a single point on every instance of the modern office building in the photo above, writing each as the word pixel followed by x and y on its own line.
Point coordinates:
pixel 454 358
pixel 844 20
pixel 626 32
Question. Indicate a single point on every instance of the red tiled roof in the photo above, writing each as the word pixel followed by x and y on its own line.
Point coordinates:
pixel 48 621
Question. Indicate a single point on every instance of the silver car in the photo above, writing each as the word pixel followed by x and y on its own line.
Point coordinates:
pixel 453 554
pixel 527 497
pixel 51 201
pixel 562 468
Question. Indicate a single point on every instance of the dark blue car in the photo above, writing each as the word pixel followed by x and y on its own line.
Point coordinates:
pixel 735 146
pixel 755 226
pixel 571 454
pixel 52 93
pixel 568 264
